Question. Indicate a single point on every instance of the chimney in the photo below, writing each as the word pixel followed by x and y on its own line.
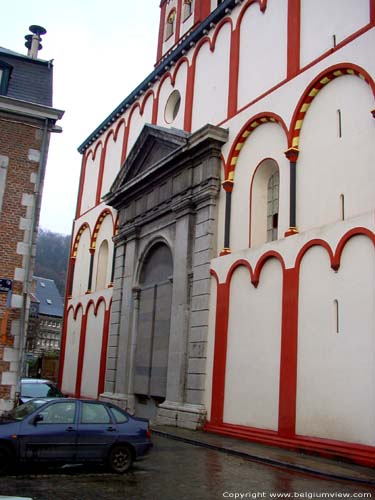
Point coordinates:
pixel 33 41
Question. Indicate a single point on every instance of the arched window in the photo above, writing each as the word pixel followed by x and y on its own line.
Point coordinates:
pixel 101 274
pixel 169 29
pixel 272 206
pixel 265 203
pixel 188 9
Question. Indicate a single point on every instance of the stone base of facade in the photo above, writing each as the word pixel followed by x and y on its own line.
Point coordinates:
pixel 185 415
pixel 124 401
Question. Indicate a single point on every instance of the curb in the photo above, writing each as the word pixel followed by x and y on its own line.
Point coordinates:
pixel 264 460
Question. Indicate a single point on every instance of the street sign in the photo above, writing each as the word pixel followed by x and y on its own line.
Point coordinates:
pixel 5 285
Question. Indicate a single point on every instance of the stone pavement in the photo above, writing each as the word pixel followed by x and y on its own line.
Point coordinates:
pixel 279 457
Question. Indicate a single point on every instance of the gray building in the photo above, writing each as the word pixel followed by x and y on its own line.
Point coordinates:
pixel 166 197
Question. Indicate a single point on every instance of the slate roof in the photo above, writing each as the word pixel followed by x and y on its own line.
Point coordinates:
pixel 30 80
pixel 48 297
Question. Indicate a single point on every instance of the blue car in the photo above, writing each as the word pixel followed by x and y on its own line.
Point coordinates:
pixel 68 431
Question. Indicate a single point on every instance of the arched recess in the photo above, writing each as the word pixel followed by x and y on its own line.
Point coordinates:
pixel 315 87
pixel 335 383
pixel 112 161
pixel 334 130
pixel 73 333
pixel 211 87
pixel 153 325
pixel 242 137
pixel 93 161
pixel 264 203
pixel 103 245
pixel 254 145
pixel 263 36
pixel 81 254
pixel 92 349
pixel 252 372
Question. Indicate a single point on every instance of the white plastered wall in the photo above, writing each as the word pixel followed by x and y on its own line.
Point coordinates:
pixel 329 166
pixel 91 181
pixel 71 352
pixel 321 20
pixel 266 141
pixel 263 50
pixel 112 159
pixel 253 354
pixel 82 265
pixel 212 81
pixel 335 388
pixel 93 348
pixel 137 122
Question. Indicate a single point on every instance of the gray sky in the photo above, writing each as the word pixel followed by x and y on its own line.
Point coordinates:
pixel 102 50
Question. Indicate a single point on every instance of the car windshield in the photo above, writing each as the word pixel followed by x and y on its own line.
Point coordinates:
pixel 40 390
pixel 23 411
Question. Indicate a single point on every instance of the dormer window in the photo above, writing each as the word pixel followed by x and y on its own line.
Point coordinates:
pixel 5 70
pixel 169 29
pixel 188 9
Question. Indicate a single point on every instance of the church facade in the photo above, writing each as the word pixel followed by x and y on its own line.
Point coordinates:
pixel 221 272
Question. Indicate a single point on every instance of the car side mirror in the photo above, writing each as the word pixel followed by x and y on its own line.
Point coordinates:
pixel 38 418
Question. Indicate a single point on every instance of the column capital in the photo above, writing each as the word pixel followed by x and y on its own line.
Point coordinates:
pixel 291 231
pixel 292 154
pixel 228 185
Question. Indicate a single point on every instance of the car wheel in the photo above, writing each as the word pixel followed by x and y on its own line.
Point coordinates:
pixel 6 460
pixel 120 459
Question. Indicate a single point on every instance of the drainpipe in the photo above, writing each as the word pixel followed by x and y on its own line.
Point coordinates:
pixel 29 257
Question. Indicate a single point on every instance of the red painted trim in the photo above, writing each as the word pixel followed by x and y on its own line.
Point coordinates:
pixel 294 37
pixel 288 355
pixel 372 12
pixel 220 353
pixel 163 8
pixel 125 140
pixel 358 231
pixel 202 9
pixel 99 221
pixel 361 454
pixel 189 100
pixel 271 254
pixel 310 244
pixel 316 83
pixel 79 233
pixel 262 118
pixel 103 354
pixel 234 66
pixel 81 185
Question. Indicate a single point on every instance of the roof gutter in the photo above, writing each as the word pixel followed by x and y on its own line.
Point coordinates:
pixel 33 110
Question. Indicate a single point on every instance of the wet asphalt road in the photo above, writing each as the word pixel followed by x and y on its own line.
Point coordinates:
pixel 178 471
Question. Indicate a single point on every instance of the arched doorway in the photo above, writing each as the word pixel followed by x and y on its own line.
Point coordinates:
pixel 153 327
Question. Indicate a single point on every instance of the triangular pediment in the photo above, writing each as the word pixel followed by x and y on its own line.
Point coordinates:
pixel 153 146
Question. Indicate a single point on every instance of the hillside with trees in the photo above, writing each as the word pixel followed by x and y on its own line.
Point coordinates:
pixel 52 254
